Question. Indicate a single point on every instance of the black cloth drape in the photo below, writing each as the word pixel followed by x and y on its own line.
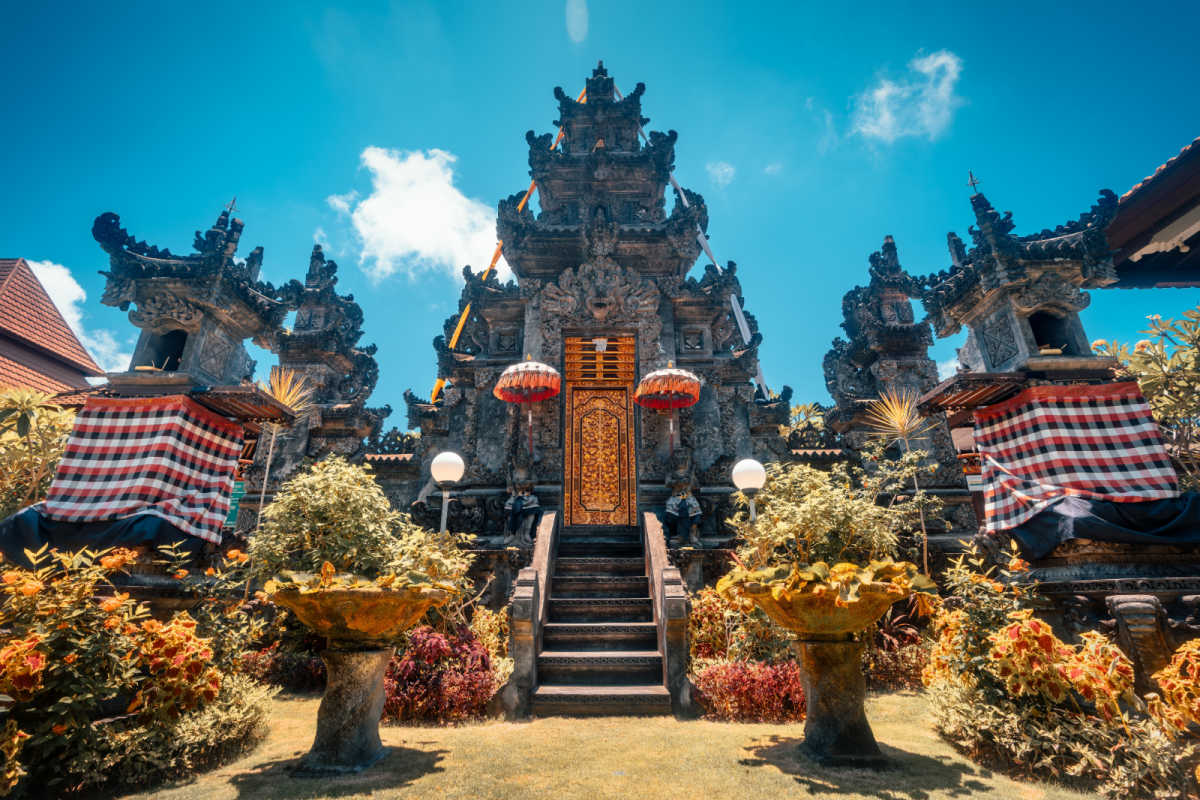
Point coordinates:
pixel 1175 521
pixel 29 530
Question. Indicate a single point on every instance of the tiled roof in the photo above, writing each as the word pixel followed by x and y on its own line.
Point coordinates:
pixel 26 369
pixel 1166 166
pixel 27 313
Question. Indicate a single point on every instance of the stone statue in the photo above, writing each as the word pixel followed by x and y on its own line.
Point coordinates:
pixel 522 512
pixel 681 517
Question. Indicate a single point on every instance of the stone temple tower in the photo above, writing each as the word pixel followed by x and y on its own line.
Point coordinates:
pixel 602 293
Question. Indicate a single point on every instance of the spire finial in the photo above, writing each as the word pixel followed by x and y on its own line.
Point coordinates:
pixel 972 181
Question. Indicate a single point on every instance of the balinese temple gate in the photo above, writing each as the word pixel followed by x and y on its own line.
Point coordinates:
pixel 602 295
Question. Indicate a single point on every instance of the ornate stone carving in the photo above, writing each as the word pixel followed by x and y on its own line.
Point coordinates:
pixel 602 288
pixel 165 311
pixel 1050 289
pixel 1142 633
pixel 997 339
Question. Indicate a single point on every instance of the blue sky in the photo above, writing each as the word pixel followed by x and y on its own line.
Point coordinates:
pixel 389 131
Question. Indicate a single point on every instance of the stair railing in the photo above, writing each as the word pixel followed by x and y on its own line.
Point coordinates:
pixel 670 603
pixel 530 608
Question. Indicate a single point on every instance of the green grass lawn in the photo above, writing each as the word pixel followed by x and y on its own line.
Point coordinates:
pixel 615 757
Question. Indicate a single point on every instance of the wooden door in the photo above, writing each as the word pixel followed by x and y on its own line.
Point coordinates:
pixel 600 464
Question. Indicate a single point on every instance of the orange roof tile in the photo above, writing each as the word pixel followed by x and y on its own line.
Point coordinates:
pixel 1164 167
pixel 24 373
pixel 27 313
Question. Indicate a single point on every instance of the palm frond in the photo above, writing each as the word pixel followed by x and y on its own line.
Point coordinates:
pixel 894 416
pixel 289 387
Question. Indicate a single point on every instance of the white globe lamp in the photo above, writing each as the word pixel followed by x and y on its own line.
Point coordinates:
pixel 749 476
pixel 447 469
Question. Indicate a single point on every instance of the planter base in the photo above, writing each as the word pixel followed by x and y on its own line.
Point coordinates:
pixel 836 731
pixel 347 737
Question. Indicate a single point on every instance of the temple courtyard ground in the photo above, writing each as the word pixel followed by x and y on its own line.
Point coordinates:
pixel 621 757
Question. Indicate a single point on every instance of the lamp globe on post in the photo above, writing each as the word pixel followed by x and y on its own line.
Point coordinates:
pixel 749 476
pixel 447 469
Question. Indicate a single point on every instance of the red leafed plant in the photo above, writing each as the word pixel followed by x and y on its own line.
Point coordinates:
pixel 439 678
pixel 747 691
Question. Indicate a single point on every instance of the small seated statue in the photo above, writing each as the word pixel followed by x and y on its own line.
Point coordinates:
pixel 681 517
pixel 522 512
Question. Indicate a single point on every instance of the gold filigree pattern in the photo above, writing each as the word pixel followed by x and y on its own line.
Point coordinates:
pixel 600 485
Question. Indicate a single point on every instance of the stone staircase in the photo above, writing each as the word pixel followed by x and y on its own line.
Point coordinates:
pixel 600 652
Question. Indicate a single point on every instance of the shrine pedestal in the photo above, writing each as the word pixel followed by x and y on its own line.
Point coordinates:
pixel 836 731
pixel 347 737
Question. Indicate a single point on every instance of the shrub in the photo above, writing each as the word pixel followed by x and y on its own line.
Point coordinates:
pixel 292 670
pixel 807 515
pixel 491 629
pixel 896 669
pixel 742 691
pixel 719 631
pixel 439 678
pixel 97 686
pixel 33 434
pixel 1177 704
pixel 1010 694
pixel 335 512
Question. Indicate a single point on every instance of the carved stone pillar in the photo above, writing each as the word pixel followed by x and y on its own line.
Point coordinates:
pixel 836 731
pixel 347 737
pixel 1143 635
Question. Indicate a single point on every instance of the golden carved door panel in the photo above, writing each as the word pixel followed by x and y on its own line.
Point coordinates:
pixel 600 480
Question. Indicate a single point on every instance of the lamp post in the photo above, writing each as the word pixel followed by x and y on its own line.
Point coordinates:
pixel 447 469
pixel 749 476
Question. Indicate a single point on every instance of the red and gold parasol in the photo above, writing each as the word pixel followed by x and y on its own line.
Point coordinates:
pixel 666 390
pixel 528 382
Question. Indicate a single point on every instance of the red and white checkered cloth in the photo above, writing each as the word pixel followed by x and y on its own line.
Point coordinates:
pixel 165 456
pixel 1099 442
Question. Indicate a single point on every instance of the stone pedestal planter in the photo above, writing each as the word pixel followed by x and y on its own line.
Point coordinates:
pixel 359 624
pixel 348 719
pixel 836 731
pixel 829 646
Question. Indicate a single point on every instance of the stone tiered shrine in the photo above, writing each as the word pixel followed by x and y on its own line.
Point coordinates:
pixel 1020 298
pixel 194 311
pixel 887 350
pixel 322 346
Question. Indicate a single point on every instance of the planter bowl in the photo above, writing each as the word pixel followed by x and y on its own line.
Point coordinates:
pixel 356 619
pixel 811 614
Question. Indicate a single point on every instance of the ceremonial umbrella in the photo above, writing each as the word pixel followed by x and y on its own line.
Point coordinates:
pixel 666 390
pixel 528 382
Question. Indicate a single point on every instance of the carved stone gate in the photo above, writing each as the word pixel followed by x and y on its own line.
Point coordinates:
pixel 600 464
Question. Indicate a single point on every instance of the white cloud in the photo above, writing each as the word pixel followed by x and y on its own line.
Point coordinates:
pixel 577 20
pixel 921 104
pixel 415 219
pixel 948 368
pixel 68 297
pixel 720 173
pixel 774 168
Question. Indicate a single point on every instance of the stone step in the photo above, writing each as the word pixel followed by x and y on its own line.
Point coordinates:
pixel 599 565
pixel 591 701
pixel 600 530
pixel 600 636
pixel 599 668
pixel 611 547
pixel 599 609
pixel 600 586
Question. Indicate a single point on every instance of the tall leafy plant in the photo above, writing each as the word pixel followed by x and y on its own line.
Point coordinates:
pixel 33 435
pixel 1167 368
